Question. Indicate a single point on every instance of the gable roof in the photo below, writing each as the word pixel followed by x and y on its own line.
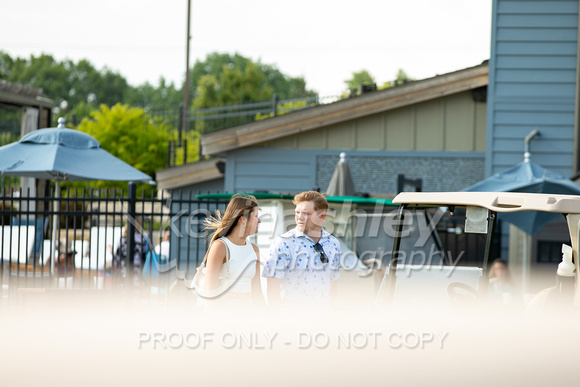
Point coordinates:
pixel 345 110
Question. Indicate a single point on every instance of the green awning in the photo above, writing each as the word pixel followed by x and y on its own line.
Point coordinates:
pixel 331 199
pixel 360 200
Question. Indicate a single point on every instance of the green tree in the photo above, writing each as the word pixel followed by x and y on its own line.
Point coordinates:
pixel 164 96
pixel 66 82
pixel 6 64
pixel 131 135
pixel 232 86
pixel 358 78
pixel 224 79
pixel 192 138
pixel 401 79
pixel 215 64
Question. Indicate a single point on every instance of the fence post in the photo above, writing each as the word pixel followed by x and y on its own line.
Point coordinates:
pixel 199 148
pixel 275 102
pixel 180 122
pixel 173 152
pixel 184 151
pixel 132 198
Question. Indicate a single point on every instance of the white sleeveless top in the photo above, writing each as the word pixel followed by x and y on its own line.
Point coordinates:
pixel 242 266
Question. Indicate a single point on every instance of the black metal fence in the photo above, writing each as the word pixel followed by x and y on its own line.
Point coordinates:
pixel 100 239
pixel 110 238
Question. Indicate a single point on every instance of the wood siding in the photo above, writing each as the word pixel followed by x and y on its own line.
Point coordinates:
pixel 451 123
pixel 532 83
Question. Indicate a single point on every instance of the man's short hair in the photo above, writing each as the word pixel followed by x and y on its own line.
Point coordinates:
pixel 320 203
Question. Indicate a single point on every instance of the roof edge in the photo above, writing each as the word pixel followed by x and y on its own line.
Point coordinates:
pixel 188 174
pixel 348 109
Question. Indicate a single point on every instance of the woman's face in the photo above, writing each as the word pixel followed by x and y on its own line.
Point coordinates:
pixel 253 221
pixel 499 270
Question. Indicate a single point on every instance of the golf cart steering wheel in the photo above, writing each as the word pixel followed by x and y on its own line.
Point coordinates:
pixel 461 294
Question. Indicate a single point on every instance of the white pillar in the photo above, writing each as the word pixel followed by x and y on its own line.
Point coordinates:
pixel 29 124
pixel 520 256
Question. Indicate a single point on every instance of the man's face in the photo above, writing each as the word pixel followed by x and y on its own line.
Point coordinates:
pixel 306 218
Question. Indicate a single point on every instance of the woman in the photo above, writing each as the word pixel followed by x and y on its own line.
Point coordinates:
pixel 231 232
pixel 501 289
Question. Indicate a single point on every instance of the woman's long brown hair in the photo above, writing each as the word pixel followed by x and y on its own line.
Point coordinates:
pixel 239 205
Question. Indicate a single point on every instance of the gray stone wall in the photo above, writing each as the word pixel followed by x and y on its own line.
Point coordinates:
pixel 378 174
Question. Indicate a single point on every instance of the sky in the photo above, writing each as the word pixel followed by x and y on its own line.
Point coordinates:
pixel 323 41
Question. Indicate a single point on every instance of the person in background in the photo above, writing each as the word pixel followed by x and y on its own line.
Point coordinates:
pixel 65 262
pixel 162 249
pixel 501 287
pixel 157 269
pixel 142 246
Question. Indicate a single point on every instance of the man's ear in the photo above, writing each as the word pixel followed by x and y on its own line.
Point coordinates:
pixel 322 215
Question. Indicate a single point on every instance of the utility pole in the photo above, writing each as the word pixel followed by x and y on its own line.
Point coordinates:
pixel 186 106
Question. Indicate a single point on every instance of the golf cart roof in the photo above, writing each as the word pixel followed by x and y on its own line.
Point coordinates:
pixel 331 199
pixel 495 201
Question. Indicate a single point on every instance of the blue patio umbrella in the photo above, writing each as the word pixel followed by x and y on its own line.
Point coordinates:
pixel 62 154
pixel 528 176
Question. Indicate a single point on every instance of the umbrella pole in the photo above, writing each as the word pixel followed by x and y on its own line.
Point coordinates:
pixel 56 207
pixel 525 263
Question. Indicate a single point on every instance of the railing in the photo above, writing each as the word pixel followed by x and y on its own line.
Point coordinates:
pixel 222 117
pixel 100 239
pixel 215 118
pixel 9 132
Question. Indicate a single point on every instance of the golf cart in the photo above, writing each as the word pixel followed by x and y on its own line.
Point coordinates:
pixel 481 210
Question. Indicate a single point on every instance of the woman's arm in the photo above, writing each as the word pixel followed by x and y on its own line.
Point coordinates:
pixel 213 267
pixel 257 295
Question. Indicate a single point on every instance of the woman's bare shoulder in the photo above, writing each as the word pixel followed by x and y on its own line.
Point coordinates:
pixel 217 250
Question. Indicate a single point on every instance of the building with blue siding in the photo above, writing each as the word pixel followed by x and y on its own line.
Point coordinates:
pixel 533 84
pixel 433 129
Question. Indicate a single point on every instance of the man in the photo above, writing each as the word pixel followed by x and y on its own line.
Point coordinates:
pixel 304 262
